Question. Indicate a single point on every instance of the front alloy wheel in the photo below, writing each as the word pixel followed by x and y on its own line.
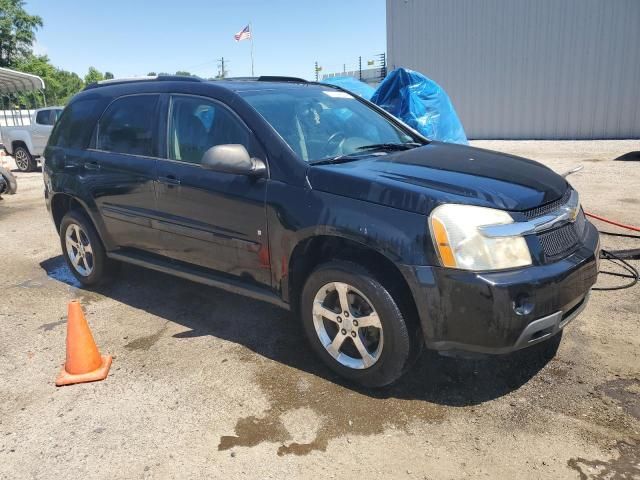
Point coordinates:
pixel 355 324
pixel 347 325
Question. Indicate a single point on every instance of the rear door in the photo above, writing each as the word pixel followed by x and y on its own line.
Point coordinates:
pixel 211 219
pixel 120 169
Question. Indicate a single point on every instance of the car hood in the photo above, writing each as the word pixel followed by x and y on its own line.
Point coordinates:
pixel 419 179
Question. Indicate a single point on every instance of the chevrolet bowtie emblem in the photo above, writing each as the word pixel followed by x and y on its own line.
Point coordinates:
pixel 571 212
pixel 568 213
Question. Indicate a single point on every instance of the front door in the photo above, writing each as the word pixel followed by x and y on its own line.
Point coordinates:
pixel 211 219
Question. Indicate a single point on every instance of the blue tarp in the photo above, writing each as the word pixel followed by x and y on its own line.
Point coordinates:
pixel 353 85
pixel 420 103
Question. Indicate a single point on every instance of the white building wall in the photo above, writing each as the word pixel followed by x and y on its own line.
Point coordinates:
pixel 552 69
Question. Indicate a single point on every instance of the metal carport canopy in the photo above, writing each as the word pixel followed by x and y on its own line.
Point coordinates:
pixel 12 81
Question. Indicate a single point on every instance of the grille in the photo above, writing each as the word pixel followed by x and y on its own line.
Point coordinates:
pixel 549 207
pixel 562 240
pixel 559 241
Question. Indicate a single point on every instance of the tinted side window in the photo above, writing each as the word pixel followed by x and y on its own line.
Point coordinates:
pixel 76 124
pixel 44 117
pixel 129 126
pixel 197 124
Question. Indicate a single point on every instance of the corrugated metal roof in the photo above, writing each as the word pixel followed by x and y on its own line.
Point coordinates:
pixel 12 81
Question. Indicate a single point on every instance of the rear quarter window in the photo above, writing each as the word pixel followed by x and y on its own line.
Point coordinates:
pixel 77 122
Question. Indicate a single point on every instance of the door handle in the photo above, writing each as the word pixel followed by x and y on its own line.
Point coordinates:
pixel 70 163
pixel 169 180
pixel 91 165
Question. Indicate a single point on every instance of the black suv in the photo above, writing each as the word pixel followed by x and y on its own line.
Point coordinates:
pixel 314 199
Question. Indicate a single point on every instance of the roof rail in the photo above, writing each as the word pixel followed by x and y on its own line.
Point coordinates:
pixel 240 79
pixel 277 78
pixel 267 78
pixel 164 78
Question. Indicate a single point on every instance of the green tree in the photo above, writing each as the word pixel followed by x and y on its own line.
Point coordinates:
pixel 60 85
pixel 183 73
pixel 17 34
pixel 17 31
pixel 93 75
pixel 151 74
pixel 69 83
pixel 108 75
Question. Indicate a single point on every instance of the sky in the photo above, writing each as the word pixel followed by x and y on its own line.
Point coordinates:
pixel 135 37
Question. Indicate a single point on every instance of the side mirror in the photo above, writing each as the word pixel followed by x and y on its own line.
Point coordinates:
pixel 232 158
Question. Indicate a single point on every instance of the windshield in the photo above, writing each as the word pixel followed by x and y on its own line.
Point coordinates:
pixel 320 123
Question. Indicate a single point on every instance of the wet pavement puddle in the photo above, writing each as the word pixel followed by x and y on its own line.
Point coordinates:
pixel 333 410
pixel 625 467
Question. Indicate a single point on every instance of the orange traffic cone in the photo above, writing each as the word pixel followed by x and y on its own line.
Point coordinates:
pixel 84 362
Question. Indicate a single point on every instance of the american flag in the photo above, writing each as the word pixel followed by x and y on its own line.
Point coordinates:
pixel 243 34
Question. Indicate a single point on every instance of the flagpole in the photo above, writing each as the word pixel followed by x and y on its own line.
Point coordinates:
pixel 251 37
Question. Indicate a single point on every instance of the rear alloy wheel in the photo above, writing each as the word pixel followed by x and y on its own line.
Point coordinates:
pixel 355 325
pixel 79 249
pixel 24 161
pixel 83 249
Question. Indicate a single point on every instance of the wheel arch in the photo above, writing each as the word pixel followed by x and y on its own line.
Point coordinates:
pixel 62 203
pixel 315 250
pixel 20 142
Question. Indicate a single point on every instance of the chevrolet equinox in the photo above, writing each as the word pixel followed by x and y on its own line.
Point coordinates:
pixel 304 195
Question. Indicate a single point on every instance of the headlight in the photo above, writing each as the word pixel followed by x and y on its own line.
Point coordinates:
pixel 460 244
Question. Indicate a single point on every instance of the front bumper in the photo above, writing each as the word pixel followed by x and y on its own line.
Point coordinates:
pixel 499 312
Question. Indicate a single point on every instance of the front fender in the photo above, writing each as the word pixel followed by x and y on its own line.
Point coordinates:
pixel 295 214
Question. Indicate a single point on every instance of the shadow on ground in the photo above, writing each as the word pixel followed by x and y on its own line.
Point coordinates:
pixel 274 334
pixel 630 156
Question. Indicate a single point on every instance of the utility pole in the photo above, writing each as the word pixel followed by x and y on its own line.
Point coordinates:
pixel 360 68
pixel 222 73
pixel 383 65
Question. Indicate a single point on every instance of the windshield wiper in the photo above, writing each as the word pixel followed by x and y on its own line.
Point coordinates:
pixel 339 159
pixel 390 147
pixel 349 157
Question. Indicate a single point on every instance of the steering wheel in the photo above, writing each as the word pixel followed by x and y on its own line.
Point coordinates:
pixel 336 141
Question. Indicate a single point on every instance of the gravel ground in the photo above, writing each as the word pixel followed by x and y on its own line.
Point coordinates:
pixel 206 384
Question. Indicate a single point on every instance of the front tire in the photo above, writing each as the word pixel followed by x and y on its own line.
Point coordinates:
pixel 24 160
pixel 355 325
pixel 83 250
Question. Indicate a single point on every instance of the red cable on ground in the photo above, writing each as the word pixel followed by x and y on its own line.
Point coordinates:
pixel 622 225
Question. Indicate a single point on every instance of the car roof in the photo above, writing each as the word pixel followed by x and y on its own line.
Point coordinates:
pixel 233 84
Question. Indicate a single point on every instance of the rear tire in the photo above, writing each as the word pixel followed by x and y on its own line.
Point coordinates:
pixel 83 250
pixel 24 160
pixel 368 341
